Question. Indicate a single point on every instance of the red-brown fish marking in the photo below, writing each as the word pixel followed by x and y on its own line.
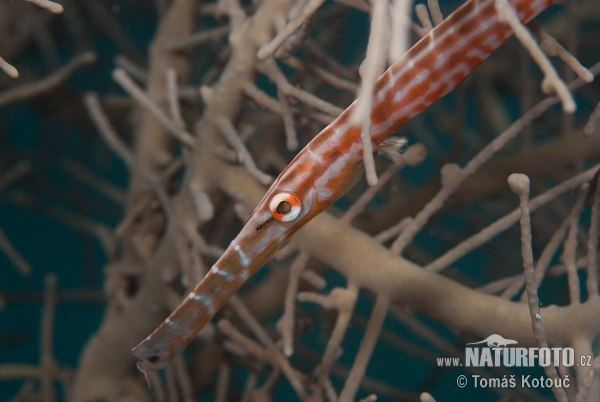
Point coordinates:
pixel 330 164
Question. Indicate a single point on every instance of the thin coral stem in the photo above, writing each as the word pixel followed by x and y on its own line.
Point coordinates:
pixel 173 97
pixel 47 338
pixel 569 259
pixel 48 83
pixel 370 193
pixel 345 306
pixel 370 70
pixel 519 183
pixel 13 255
pixel 552 48
pixel 250 321
pixel 593 124
pixel 92 103
pixel 288 122
pixel 285 325
pixel 306 12
pixel 400 24
pixel 138 94
pixel 277 76
pixel 48 5
pixel 9 68
pixel 508 220
pixel 552 82
pixel 227 129
pixel 198 38
pixel 365 349
pixel 223 379
pixel 592 245
pixel 477 161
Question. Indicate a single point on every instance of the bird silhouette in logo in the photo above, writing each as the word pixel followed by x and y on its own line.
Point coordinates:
pixel 495 341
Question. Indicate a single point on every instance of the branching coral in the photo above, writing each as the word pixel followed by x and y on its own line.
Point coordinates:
pixel 430 240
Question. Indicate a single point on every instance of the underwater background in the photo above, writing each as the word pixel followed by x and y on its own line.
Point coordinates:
pixel 63 191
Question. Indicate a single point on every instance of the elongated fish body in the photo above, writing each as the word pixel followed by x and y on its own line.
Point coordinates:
pixel 329 165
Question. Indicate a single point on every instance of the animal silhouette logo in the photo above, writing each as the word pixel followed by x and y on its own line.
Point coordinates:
pixel 495 341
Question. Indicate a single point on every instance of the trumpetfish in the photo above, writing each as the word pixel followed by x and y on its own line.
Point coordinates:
pixel 332 161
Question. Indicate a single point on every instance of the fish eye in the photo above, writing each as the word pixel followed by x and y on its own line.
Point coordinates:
pixel 285 207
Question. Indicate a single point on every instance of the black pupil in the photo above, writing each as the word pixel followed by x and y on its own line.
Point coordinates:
pixel 284 207
pixel 153 359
